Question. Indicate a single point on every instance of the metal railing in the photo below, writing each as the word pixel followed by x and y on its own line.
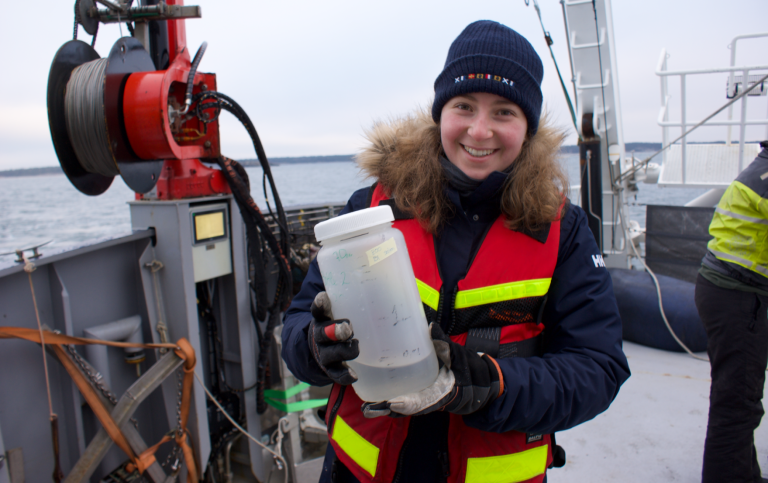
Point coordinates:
pixel 684 123
pixel 731 79
pixel 302 219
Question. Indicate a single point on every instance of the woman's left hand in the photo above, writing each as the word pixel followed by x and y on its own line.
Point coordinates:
pixel 466 383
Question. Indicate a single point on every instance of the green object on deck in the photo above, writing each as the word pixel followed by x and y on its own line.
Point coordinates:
pixel 271 394
pixel 296 406
pixel 290 392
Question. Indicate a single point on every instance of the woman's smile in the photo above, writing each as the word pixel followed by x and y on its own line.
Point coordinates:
pixel 478 153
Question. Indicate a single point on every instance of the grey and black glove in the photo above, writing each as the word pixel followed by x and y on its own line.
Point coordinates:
pixel 467 382
pixel 331 342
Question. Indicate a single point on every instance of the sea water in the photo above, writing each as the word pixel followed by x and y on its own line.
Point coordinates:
pixel 36 209
pixel 407 378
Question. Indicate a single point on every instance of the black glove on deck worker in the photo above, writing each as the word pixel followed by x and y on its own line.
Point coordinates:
pixel 466 383
pixel 331 341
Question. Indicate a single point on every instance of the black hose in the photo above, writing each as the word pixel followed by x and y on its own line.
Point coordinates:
pixel 255 220
pixel 192 72
pixel 223 101
pixel 257 229
pixel 205 309
pixel 262 366
pixel 257 272
pixel 255 317
pixel 260 238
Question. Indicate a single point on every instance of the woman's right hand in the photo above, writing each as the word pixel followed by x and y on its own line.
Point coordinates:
pixel 331 342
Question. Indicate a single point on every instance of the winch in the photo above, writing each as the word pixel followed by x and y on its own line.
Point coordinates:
pixel 216 264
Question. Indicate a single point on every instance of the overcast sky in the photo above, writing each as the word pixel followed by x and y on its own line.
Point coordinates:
pixel 313 75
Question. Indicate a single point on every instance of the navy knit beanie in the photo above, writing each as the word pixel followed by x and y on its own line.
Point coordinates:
pixel 490 57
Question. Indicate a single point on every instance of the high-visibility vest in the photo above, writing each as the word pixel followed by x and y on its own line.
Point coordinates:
pixel 496 308
pixel 740 228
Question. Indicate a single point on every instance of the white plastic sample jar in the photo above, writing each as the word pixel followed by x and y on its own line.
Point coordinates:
pixel 369 279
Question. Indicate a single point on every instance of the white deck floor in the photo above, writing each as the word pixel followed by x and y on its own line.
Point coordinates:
pixel 653 431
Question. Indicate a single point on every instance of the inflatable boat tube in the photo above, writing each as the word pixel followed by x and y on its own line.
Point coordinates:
pixel 639 308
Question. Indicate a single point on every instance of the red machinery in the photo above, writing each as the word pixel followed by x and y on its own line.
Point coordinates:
pixel 145 113
pixel 140 124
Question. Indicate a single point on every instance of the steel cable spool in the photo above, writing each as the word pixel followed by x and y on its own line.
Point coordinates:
pixel 85 118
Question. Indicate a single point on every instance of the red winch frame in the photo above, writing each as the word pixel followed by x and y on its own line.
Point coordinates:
pixel 146 114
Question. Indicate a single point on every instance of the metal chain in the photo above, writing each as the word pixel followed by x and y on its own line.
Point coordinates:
pixel 77 19
pixel 96 378
pixel 180 390
pixel 171 455
pixel 174 454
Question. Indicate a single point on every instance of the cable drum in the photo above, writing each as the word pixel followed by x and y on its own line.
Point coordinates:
pixel 85 118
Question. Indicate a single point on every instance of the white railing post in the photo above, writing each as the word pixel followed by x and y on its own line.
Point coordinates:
pixel 743 123
pixel 731 78
pixel 683 141
pixel 662 66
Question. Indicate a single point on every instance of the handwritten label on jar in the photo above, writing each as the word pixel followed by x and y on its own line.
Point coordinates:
pixel 380 252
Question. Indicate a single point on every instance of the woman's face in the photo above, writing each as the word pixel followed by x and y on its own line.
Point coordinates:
pixel 482 133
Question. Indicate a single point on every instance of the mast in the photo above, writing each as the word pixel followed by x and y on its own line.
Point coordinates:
pixel 589 28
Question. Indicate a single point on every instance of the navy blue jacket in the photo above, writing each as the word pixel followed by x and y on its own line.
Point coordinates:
pixel 583 365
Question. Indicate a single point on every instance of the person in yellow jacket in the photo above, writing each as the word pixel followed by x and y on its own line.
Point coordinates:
pixel 732 300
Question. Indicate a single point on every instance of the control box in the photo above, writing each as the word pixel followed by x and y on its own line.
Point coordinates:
pixel 211 248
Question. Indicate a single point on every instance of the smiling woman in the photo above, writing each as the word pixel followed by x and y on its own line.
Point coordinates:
pixel 501 260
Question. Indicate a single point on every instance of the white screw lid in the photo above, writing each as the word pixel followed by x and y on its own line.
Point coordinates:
pixel 350 222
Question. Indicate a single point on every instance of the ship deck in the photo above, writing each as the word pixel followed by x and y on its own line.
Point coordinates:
pixel 653 431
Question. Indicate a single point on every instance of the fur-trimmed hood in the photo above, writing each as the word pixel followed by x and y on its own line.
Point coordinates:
pixel 403 156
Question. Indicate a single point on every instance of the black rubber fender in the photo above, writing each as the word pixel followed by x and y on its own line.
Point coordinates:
pixel 639 309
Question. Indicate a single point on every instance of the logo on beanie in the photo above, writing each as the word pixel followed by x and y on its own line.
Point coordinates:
pixel 496 78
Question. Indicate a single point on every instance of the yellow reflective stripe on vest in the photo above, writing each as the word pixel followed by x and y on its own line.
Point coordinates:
pixel 739 261
pixel 750 219
pixel 502 292
pixel 508 468
pixel 740 229
pixel 358 448
pixel 428 295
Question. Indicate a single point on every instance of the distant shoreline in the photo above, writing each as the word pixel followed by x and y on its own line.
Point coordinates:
pixel 52 170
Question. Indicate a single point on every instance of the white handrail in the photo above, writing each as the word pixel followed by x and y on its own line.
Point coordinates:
pixel 711 71
pixel 732 46
pixel 751 122
pixel 663 118
pixel 665 145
